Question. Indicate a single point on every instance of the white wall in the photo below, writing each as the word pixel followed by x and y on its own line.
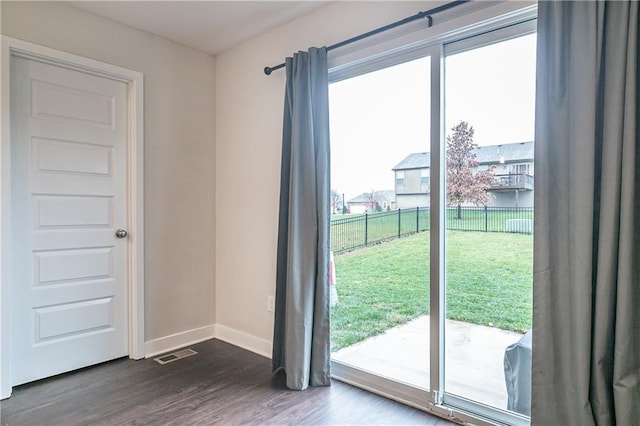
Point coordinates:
pixel 411 201
pixel 179 152
pixel 248 137
pixel 206 120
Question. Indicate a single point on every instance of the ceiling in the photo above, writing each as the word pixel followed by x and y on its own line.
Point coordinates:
pixel 209 26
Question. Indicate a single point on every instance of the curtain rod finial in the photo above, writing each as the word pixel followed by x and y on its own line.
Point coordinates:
pixel 267 70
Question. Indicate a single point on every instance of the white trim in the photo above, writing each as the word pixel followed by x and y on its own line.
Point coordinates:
pixel 215 331
pixel 135 188
pixel 375 54
pixel 135 185
pixel 437 222
pixel 519 25
pixel 403 393
pixel 5 226
pixel 244 340
pixel 406 394
pixel 179 340
pixel 475 410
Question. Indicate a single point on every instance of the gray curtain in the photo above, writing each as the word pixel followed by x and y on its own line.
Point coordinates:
pixel 301 331
pixel 586 333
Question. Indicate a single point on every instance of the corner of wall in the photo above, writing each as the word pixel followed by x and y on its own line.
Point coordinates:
pixel 179 340
pixel 215 331
pixel 243 340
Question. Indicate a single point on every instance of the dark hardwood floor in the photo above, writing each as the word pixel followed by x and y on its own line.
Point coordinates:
pixel 222 384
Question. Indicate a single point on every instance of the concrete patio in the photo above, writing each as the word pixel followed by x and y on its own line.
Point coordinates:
pixel 473 361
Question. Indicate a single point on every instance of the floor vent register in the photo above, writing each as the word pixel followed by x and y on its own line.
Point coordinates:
pixel 174 356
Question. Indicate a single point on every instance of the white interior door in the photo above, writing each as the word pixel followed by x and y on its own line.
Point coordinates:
pixel 69 289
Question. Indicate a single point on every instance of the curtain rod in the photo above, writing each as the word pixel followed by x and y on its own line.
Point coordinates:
pixel 426 14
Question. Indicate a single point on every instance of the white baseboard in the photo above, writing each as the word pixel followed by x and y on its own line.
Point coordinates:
pixel 178 340
pixel 244 340
pixel 197 335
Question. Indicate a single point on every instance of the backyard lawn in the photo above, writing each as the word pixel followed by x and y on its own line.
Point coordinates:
pixel 489 282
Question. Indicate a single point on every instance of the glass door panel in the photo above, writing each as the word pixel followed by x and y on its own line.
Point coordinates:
pixel 380 127
pixel 432 175
pixel 489 172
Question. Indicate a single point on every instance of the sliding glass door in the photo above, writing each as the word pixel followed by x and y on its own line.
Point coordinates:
pixel 380 221
pixel 489 172
pixel 431 232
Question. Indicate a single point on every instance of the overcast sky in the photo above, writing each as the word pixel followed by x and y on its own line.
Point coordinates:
pixel 379 118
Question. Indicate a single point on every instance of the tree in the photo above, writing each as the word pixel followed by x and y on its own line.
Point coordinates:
pixel 463 185
pixel 337 202
pixel 336 199
pixel 372 204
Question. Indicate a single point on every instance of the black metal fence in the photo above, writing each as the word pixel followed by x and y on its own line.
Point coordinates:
pixel 359 230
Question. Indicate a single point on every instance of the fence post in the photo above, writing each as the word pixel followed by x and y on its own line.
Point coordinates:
pixel 399 222
pixel 366 228
pixel 417 219
pixel 486 219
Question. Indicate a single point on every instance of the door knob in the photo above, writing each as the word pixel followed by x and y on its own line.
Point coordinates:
pixel 121 233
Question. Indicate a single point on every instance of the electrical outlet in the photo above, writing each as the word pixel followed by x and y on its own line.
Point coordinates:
pixel 270 303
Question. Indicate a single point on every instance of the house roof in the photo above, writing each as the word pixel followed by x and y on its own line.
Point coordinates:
pixel 507 152
pixel 389 195
pixel 419 160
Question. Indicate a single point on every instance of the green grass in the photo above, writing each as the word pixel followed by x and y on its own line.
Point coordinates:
pixel 489 281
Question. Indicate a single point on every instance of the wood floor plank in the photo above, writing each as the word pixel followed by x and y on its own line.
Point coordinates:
pixel 222 384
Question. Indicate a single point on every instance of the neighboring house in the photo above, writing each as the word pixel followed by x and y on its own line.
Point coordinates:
pixel 512 186
pixel 513 182
pixel 370 202
pixel 412 181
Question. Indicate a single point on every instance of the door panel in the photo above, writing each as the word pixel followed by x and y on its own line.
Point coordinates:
pixel 52 156
pixel 381 318
pixel 489 258
pixel 72 211
pixel 69 136
pixel 64 266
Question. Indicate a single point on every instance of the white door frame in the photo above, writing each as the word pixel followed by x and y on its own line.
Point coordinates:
pixel 135 199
